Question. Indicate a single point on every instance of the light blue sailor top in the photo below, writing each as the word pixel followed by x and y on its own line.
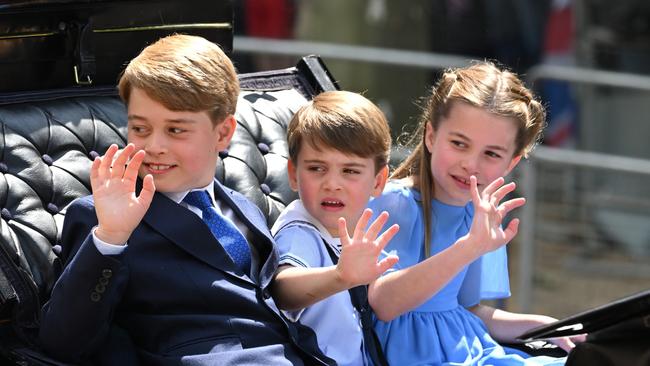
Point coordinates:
pixel 300 239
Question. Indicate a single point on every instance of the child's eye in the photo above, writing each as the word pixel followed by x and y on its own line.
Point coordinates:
pixel 351 171
pixel 176 130
pixel 492 154
pixel 137 129
pixel 458 143
pixel 315 168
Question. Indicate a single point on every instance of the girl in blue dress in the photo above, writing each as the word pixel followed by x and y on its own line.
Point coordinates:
pixel 446 197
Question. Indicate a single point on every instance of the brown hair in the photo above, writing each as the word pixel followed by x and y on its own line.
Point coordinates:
pixel 345 121
pixel 184 73
pixel 481 85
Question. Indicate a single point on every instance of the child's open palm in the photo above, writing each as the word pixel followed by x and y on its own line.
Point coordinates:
pixel 358 263
pixel 113 180
pixel 489 212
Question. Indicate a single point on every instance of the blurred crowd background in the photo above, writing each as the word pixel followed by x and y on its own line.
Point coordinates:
pixel 585 235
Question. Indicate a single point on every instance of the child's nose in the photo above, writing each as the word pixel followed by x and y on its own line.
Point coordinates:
pixel 332 182
pixel 470 164
pixel 156 144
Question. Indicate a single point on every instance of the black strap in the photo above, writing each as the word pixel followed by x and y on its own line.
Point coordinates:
pixel 359 297
pixel 84 53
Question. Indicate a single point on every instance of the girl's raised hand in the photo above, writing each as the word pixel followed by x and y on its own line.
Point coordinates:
pixel 112 178
pixel 358 263
pixel 486 231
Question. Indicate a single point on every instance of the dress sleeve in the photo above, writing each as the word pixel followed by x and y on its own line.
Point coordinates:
pixel 487 278
pixel 300 246
pixel 403 210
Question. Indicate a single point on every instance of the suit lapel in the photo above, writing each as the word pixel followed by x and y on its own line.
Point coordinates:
pixel 248 213
pixel 185 229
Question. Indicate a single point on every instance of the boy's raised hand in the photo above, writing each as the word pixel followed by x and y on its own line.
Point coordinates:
pixel 112 179
pixel 358 263
pixel 486 230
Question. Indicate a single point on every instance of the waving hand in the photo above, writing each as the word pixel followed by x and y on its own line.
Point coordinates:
pixel 112 178
pixel 358 263
pixel 487 231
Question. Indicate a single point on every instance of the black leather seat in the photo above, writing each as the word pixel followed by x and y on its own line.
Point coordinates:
pixel 47 143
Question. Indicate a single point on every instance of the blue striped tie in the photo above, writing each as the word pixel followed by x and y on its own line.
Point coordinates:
pixel 223 229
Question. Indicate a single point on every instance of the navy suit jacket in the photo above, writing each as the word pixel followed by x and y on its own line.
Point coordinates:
pixel 175 292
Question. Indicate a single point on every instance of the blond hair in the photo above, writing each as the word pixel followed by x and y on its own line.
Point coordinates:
pixel 184 73
pixel 481 85
pixel 342 120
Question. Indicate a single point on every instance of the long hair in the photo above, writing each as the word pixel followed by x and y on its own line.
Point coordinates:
pixel 481 85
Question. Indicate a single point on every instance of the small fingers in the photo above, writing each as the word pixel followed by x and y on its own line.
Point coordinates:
pixel 375 226
pixel 511 230
pixel 386 236
pixel 343 232
pixel 510 205
pixel 565 343
pixel 387 263
pixel 119 163
pixel 104 168
pixel 578 338
pixel 359 230
pixel 130 173
pixel 502 191
pixel 94 173
pixel 148 190
pixel 492 187
pixel 473 188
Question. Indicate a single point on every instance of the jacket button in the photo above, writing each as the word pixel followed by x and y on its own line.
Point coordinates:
pixel 94 297
pixel 107 273
pixel 103 281
pixel 100 288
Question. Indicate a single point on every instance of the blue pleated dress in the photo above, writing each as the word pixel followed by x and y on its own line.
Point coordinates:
pixel 441 331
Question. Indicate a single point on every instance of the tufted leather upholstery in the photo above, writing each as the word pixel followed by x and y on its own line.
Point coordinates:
pixel 48 141
pixel 255 163
pixel 46 150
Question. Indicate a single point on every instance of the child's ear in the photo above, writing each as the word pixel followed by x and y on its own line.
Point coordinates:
pixel 293 178
pixel 513 164
pixel 428 137
pixel 380 181
pixel 225 131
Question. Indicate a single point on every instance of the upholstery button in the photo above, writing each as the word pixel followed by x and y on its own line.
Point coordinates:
pixel 93 154
pixel 107 273
pixel 3 168
pixel 56 249
pixel 264 148
pixel 100 288
pixel 94 297
pixel 223 154
pixel 6 215
pixel 265 189
pixel 266 294
pixel 47 159
pixel 103 281
pixel 52 208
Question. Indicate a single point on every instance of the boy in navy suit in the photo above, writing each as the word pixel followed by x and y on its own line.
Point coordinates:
pixel 140 256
